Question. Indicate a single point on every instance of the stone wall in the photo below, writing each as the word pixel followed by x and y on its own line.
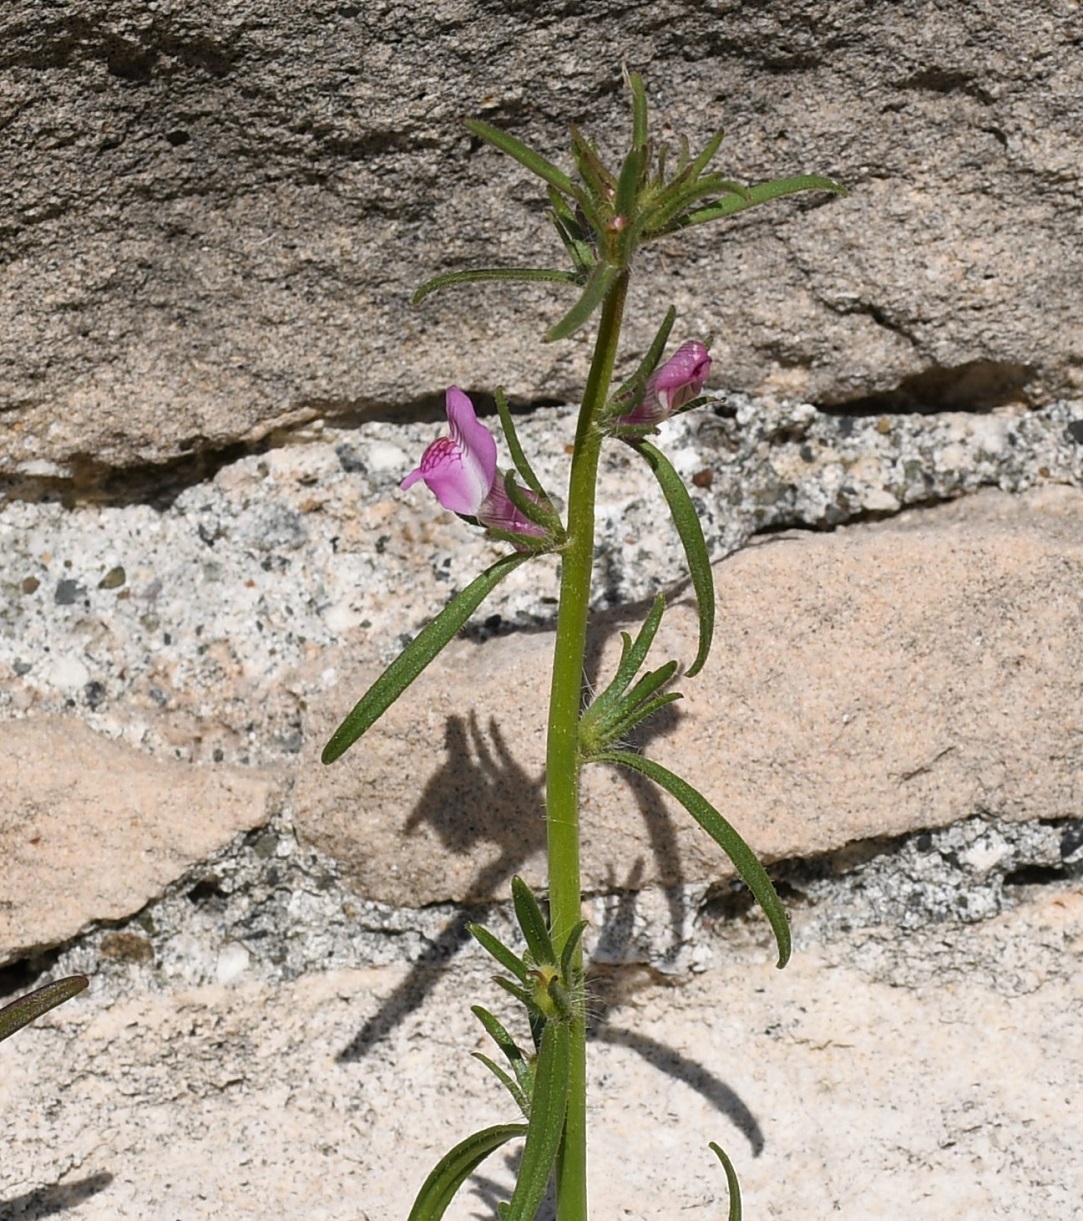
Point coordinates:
pixel 211 384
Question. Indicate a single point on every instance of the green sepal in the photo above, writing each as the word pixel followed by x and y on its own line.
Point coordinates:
pixel 518 457
pixel 629 393
pixel 732 1184
pixel 594 292
pixel 528 912
pixel 456 1166
pixel 520 1065
pixel 541 514
pixel 505 1079
pixel 29 1008
pixel 546 1127
pixel 723 833
pixel 528 544
pixel 417 655
pixel 508 959
pixel 762 193
pixel 686 519
pixel 534 162
pixel 476 275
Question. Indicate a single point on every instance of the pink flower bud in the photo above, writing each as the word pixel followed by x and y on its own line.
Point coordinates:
pixel 459 469
pixel 673 384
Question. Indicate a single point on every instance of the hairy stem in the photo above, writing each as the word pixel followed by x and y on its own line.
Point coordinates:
pixel 562 753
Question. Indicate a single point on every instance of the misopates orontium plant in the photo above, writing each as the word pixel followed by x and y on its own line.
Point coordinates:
pixel 602 216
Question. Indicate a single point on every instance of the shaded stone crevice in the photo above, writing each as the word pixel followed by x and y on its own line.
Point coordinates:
pixel 977 386
pixel 965 872
pixel 90 481
pixel 244 902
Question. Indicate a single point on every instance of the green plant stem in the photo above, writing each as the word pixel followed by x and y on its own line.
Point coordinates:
pixel 562 752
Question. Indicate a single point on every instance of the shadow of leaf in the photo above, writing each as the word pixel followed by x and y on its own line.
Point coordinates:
pixel 49 1201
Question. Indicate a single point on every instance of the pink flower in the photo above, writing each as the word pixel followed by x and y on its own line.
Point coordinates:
pixel 461 472
pixel 672 385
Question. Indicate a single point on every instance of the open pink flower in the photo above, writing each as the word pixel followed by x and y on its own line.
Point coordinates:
pixel 672 385
pixel 461 472
pixel 459 469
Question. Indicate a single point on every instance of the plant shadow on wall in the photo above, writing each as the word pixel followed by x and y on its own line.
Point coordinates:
pixel 483 795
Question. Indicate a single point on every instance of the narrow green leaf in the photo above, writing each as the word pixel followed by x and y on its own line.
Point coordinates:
pixel 631 173
pixel 762 193
pixel 673 202
pixel 594 291
pixel 532 922
pixel 707 155
pixel 602 732
pixel 534 162
pixel 417 655
pixel 631 391
pixel 506 1080
pixel 518 457
pixel 547 1110
pixel 28 1008
pixel 599 181
pixel 508 959
pixel 731 1181
pixel 476 275
pixel 571 232
pixel 520 1066
pixel 686 519
pixel 521 994
pixel 567 954
pixel 639 108
pixel 631 659
pixel 649 684
pixel 723 833
pixel 456 1166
